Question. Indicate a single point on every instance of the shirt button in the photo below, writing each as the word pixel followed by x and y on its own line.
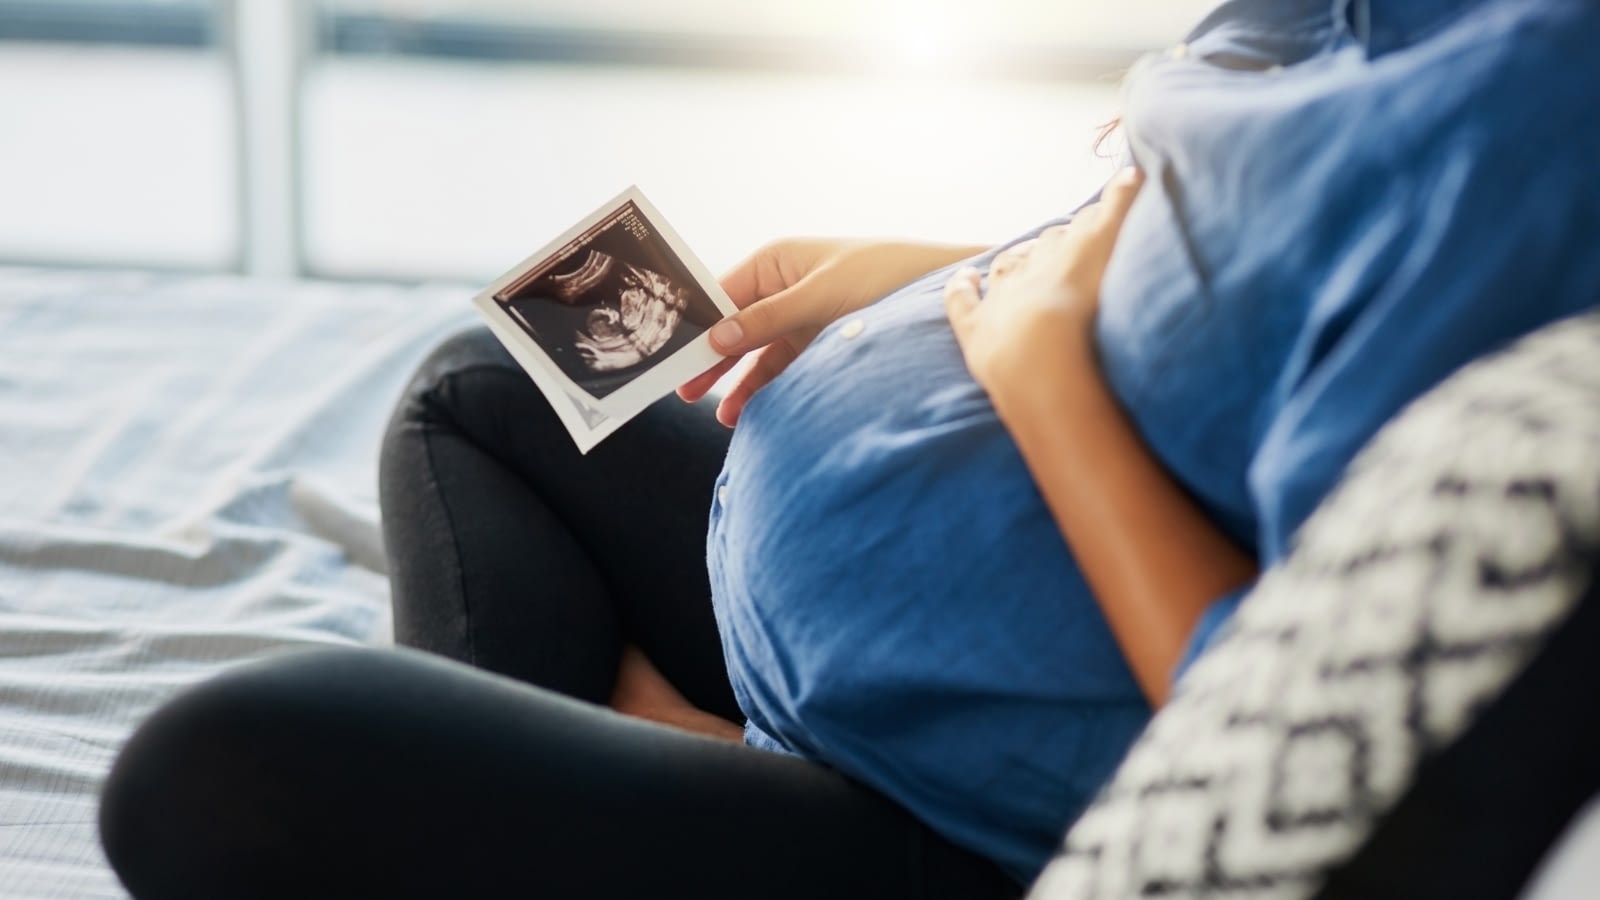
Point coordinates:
pixel 1179 51
pixel 852 329
pixel 722 495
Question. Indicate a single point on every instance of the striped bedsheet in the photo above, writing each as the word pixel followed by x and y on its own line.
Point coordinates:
pixel 187 482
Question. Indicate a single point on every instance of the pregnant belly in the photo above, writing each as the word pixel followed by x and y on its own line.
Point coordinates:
pixel 895 599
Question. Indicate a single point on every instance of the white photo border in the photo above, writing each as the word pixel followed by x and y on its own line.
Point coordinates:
pixel 567 406
pixel 627 401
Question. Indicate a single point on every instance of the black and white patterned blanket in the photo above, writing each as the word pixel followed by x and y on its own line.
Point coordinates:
pixel 1458 540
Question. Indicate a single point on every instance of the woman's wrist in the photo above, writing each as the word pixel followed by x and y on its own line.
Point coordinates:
pixel 910 260
pixel 1058 373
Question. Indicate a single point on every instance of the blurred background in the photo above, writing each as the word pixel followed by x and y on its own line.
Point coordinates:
pixel 424 139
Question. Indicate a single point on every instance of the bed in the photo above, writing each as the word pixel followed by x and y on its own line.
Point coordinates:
pixel 188 482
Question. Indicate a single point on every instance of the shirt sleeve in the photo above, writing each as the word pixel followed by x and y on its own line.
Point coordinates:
pixel 1209 628
pixel 1456 265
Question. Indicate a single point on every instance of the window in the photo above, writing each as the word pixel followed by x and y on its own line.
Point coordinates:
pixel 117 144
pixel 422 138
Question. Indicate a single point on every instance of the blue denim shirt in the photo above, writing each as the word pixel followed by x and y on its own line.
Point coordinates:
pixel 1345 201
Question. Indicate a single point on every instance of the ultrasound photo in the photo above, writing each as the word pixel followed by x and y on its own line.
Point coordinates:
pixel 606 307
pixel 609 317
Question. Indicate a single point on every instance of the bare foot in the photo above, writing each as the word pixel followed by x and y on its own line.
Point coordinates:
pixel 644 693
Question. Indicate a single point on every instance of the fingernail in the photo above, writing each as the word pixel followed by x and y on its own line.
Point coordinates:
pixel 1129 175
pixel 726 334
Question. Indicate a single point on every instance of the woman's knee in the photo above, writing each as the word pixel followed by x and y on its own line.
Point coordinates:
pixel 475 349
pixel 469 384
pixel 206 788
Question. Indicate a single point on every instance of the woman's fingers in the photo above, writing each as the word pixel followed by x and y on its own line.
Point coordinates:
pixel 1085 217
pixel 1093 231
pixel 758 324
pixel 696 387
pixel 762 273
pixel 742 283
pixel 1117 199
pixel 1103 215
pixel 729 410
pixel 1053 291
pixel 766 364
pixel 765 321
pixel 961 295
pixel 747 284
pixel 1010 258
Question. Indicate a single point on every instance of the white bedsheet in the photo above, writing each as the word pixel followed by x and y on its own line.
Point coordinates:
pixel 186 483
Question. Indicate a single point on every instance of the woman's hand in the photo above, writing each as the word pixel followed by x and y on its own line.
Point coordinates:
pixel 1152 556
pixel 789 290
pixel 1042 296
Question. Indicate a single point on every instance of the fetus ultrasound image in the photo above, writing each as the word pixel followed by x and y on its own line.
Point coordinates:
pixel 611 304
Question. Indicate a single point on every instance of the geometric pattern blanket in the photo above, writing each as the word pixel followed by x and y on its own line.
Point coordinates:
pixel 1457 541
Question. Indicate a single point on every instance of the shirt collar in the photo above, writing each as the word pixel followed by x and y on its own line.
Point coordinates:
pixel 1383 26
pixel 1279 17
pixel 1294 29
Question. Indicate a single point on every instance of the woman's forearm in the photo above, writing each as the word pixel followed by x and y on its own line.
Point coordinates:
pixel 931 255
pixel 1153 559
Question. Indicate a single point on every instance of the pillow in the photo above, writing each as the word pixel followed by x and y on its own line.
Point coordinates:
pixel 1333 737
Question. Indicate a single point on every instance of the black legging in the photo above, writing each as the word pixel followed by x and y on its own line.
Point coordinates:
pixel 360 773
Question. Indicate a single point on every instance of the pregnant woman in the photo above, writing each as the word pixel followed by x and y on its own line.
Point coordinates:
pixel 886 637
